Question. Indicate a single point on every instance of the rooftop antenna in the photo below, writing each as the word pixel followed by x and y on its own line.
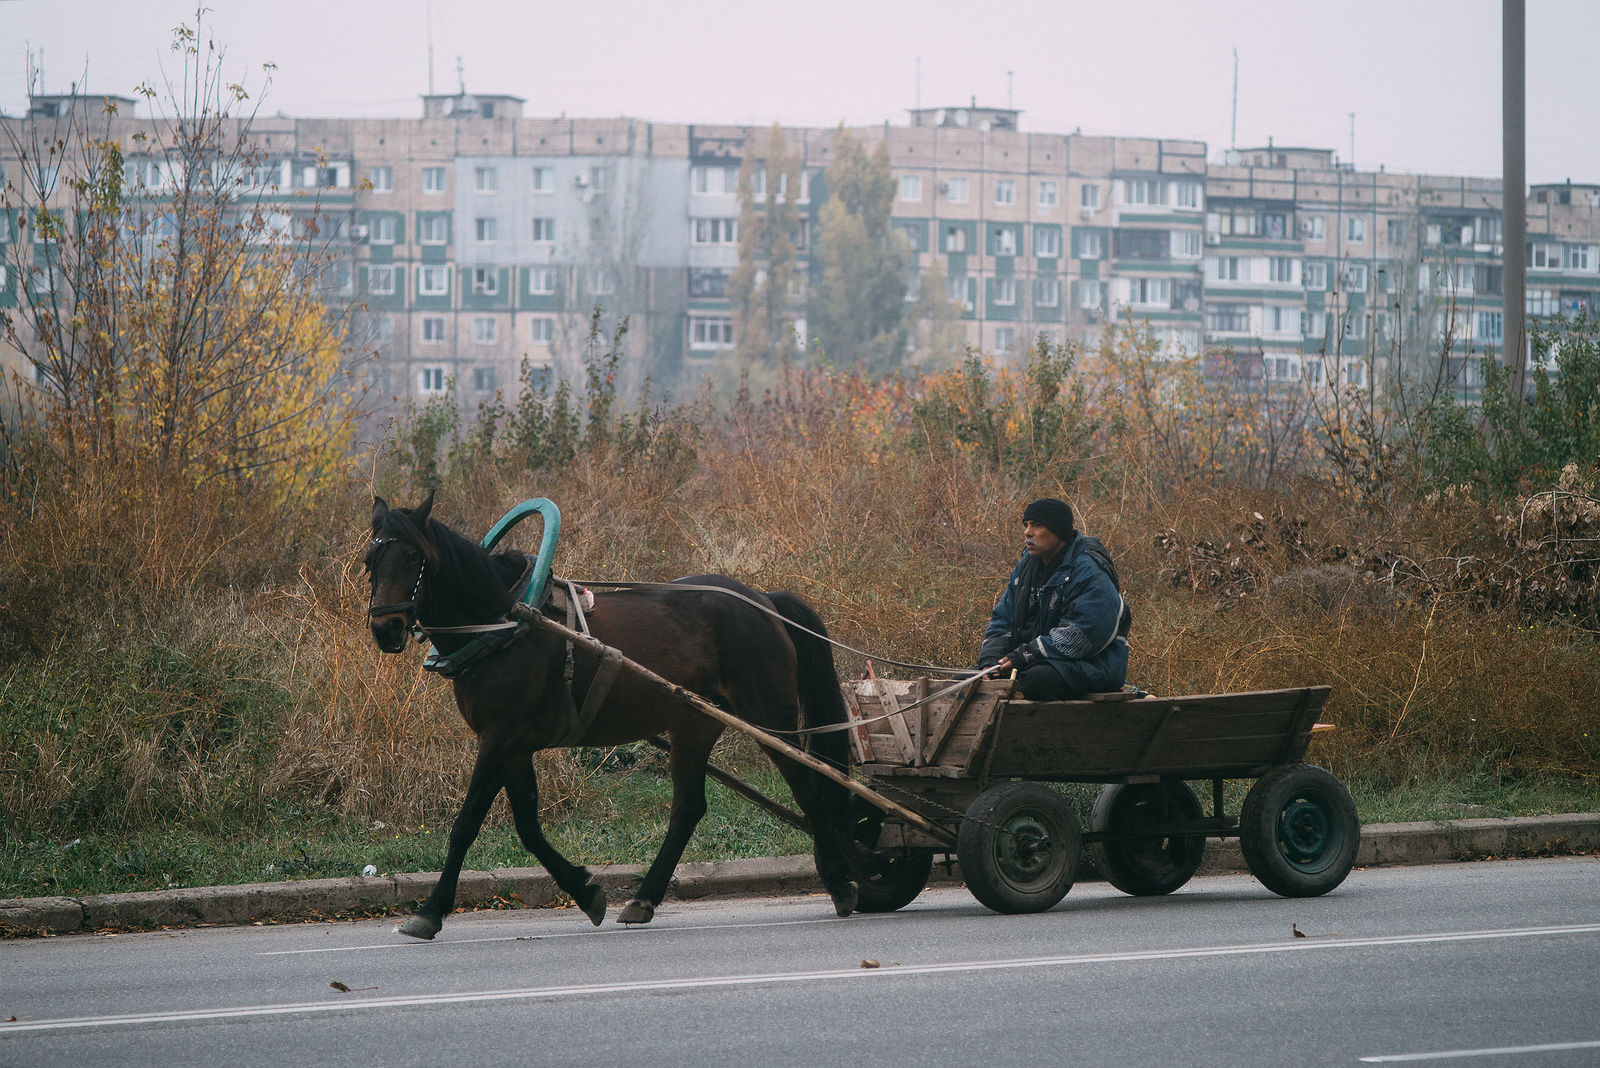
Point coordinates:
pixel 428 14
pixel 1233 128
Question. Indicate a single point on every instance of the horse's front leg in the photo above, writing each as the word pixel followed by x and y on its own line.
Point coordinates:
pixel 691 748
pixel 488 775
pixel 522 789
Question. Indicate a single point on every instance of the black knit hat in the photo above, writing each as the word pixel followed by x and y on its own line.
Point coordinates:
pixel 1053 514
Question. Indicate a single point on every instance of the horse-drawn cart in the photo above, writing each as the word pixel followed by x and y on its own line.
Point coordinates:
pixel 973 764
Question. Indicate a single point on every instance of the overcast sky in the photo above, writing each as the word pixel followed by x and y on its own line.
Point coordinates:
pixel 1422 77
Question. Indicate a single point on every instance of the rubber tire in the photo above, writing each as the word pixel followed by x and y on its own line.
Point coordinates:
pixel 887 879
pixel 1298 831
pixel 1001 877
pixel 1146 867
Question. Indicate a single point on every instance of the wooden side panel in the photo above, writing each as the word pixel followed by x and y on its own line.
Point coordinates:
pixel 946 732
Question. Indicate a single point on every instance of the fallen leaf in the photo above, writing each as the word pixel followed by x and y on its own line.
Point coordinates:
pixel 11 1019
pixel 1296 929
pixel 869 964
pixel 339 987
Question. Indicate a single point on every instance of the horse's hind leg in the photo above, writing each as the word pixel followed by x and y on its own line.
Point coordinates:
pixel 522 789
pixel 691 748
pixel 487 777
pixel 827 807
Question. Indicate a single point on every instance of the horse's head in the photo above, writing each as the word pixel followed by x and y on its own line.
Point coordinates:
pixel 396 561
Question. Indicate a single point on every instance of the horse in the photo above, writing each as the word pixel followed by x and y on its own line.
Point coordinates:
pixel 757 665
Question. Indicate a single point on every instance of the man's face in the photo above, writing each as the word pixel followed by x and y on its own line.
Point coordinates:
pixel 1040 540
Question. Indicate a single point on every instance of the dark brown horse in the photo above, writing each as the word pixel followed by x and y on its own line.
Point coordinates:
pixel 759 668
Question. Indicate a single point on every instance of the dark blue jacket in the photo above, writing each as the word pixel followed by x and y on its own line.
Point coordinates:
pixel 1083 623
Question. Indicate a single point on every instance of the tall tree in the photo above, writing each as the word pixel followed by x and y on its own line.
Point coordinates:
pixel 857 306
pixel 941 339
pixel 761 288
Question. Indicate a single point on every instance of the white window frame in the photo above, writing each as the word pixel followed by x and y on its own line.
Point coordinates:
pixel 485 330
pixel 1354 276
pixel 1091 294
pixel 1089 196
pixel 433 230
pixel 544 275
pixel 956 190
pixel 483 378
pixel 954 239
pixel 1186 194
pixel 1280 269
pixel 542 329
pixel 1046 291
pixel 1003 241
pixel 1047 193
pixel 713 230
pixel 380 279
pixel 486 228
pixel 910 191
pixel 382 230
pixel 1187 245
pixel 431 379
pixel 1316 227
pixel 1314 275
pixel 381 178
pixel 433 329
pixel 1355 229
pixel 710 332
pixel 544 181
pixel 1005 192
pixel 1046 244
pixel 485 180
pixel 1091 245
pixel 486 281
pixel 1005 291
pixel 435 180
pixel 433 280
pixel 1005 338
pixel 543 229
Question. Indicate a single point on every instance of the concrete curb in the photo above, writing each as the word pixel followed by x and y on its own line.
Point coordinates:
pixel 1381 844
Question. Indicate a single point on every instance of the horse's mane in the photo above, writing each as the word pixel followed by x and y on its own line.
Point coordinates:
pixel 473 582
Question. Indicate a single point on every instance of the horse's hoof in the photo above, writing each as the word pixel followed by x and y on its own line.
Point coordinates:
pixel 595 908
pixel 637 912
pixel 845 903
pixel 422 927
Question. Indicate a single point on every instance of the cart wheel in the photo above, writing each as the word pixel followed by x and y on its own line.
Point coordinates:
pixel 1158 864
pixel 1019 847
pixel 1298 831
pixel 889 879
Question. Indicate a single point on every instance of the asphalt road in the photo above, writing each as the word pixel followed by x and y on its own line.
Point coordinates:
pixel 1472 964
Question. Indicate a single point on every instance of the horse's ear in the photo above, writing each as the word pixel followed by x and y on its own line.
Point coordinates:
pixel 380 508
pixel 419 514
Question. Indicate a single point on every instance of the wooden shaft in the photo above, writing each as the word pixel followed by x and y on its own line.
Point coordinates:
pixel 778 745
pixel 746 791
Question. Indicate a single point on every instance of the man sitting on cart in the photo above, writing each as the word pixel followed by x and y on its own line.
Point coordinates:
pixel 1061 622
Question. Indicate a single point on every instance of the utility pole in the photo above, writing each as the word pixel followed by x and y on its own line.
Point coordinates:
pixel 1514 192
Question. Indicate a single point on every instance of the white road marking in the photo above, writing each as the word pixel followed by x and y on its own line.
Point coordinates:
pixel 1498 1051
pixel 1299 945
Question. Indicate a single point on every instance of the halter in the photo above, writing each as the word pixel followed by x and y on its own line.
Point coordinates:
pixel 409 606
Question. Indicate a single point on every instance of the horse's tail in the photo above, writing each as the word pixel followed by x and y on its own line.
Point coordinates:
pixel 821 701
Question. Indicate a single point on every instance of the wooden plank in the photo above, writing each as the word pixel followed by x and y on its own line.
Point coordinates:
pixel 945 720
pixel 860 736
pixel 896 721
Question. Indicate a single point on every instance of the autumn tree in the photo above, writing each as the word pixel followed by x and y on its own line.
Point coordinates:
pixel 761 288
pixel 941 339
pixel 176 311
pixel 857 303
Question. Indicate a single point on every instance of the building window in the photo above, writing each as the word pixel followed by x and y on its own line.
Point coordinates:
pixel 1003 241
pixel 433 281
pixel 1490 327
pixel 1188 196
pixel 485 179
pixel 380 280
pixel 544 229
pixel 1150 292
pixel 483 379
pixel 1314 324
pixel 544 180
pixel 1353 279
pixel 383 229
pixel 1047 192
pixel 1005 191
pixel 1046 244
pixel 714 180
pixel 1141 191
pixel 1005 338
pixel 1227 318
pixel 955 190
pixel 1089 295
pixel 433 328
pixel 487 229
pixel 1186 244
pixel 485 330
pixel 1315 275
pixel 1091 245
pixel 1355 373
pixel 485 281
pixel 433 180
pixel 1355 229
pixel 599 179
pixel 600 282
pixel 713 231
pixel 382 179
pixel 1089 198
pixel 541 329
pixel 1232 268
pixel 541 281
pixel 1005 291
pixel 1397 231
pixel 911 233
pixel 1538 302
pixel 710 332
pixel 433 229
pixel 955 237
pixel 1580 257
pixel 1280 269
pixel 1314 227
pixel 1274 224
pixel 1278 368
pixel 1047 292
pixel 911 187
pixel 1312 370
pixel 1282 318
pixel 430 380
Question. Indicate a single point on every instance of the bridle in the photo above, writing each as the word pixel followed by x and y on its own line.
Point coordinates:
pixel 408 606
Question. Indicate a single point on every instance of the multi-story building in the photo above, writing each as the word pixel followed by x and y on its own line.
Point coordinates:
pixel 475 239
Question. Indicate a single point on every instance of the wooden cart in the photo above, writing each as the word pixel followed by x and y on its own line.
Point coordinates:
pixel 973 765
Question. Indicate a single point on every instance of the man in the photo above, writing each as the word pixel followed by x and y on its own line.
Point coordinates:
pixel 1061 622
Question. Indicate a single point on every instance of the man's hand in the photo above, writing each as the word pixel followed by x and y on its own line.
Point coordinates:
pixel 1024 657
